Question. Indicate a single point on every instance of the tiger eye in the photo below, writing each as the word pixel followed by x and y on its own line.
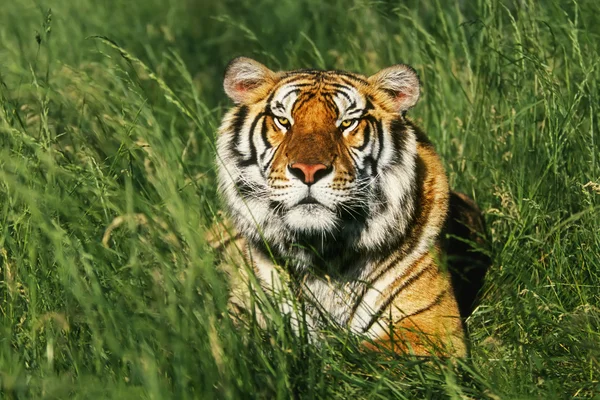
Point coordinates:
pixel 347 123
pixel 283 121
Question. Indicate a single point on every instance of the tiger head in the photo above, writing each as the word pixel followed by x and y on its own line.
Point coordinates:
pixel 321 159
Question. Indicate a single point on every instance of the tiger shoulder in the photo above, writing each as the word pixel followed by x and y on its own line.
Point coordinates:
pixel 331 189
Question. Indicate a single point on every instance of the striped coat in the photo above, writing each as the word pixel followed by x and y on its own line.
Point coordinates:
pixel 333 193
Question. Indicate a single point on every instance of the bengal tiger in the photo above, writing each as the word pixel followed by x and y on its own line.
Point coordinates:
pixel 332 189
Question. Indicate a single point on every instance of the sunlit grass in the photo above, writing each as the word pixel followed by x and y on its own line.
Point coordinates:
pixel 108 113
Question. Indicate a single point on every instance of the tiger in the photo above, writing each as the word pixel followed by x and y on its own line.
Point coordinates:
pixel 332 190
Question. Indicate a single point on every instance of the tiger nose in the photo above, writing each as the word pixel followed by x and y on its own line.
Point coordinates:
pixel 309 173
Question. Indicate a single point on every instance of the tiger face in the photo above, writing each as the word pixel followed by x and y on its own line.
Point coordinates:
pixel 320 158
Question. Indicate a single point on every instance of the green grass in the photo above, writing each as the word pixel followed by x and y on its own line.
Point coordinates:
pixel 118 134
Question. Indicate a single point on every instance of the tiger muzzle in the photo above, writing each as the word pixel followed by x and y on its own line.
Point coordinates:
pixel 310 149
pixel 309 173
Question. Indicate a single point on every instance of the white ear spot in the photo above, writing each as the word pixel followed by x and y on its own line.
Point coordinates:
pixel 246 80
pixel 401 82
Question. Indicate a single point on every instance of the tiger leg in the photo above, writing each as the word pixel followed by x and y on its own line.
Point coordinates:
pixel 422 318
pixel 431 332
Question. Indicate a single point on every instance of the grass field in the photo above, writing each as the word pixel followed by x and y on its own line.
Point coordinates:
pixel 108 113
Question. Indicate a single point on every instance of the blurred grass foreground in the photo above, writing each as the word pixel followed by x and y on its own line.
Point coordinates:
pixel 108 114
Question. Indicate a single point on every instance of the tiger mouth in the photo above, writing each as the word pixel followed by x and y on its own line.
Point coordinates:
pixel 311 204
pixel 308 200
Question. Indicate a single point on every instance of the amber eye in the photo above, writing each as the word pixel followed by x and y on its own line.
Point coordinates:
pixel 282 123
pixel 349 124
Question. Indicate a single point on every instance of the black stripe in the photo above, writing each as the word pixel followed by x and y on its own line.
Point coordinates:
pixel 395 294
pixel 238 124
pixel 266 142
pixel 295 86
pixel 354 151
pixel 410 238
pixel 347 96
pixel 294 91
pixel 380 270
pixel 436 301
pixel 399 137
pixel 352 156
pixel 264 136
pixel 278 105
pixel 373 163
pixel 339 87
pixel 302 85
pixel 252 160
pixel 352 108
pixel 330 103
pixel 301 100
pixel 388 264
pixel 303 71
pixel 244 188
pixel 268 163
pixel 276 207
pixel 331 75
pixel 421 136
pixel 340 92
pixel 379 126
pixel 383 205
pixel 347 79
pixel 270 98
pixel 366 137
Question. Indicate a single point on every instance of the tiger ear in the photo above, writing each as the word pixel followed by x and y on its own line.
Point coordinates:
pixel 401 82
pixel 247 80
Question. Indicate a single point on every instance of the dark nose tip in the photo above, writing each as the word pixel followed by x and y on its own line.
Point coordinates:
pixel 309 173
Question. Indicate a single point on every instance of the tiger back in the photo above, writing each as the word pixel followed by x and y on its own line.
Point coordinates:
pixel 331 189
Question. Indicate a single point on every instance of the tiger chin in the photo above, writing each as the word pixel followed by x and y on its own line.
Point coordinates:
pixel 334 194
